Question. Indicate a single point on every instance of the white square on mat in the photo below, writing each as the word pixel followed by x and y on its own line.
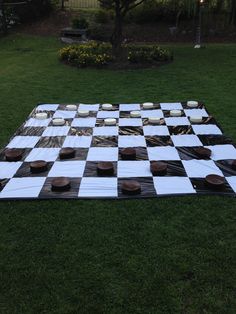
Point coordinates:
pixel 86 122
pixel 23 187
pixel 108 114
pixel 171 106
pixel 131 141
pixel 152 113
pixel 90 107
pixel 47 107
pixel 98 187
pixel 130 122
pixel 129 107
pixel 47 154
pixel 23 142
pixel 8 169
pixel 200 168
pixel 130 168
pixel 151 130
pixel 67 169
pixel 177 121
pixel 219 152
pixel 77 141
pixel 37 122
pixel 186 140
pixel 232 182
pixel 196 112
pixel 103 154
pixel 173 185
pixel 106 130
pixel 66 114
pixel 163 153
pixel 206 129
pixel 56 131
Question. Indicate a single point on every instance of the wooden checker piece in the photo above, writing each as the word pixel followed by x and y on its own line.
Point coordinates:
pixel 128 153
pixel 215 181
pixel 105 169
pixel 13 154
pixel 131 187
pixel 38 166
pixel 203 152
pixel 233 165
pixel 67 153
pixel 158 168
pixel 60 184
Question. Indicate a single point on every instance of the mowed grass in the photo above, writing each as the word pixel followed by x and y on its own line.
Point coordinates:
pixel 168 255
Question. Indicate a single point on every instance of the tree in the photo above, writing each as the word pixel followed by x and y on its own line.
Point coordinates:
pixel 121 8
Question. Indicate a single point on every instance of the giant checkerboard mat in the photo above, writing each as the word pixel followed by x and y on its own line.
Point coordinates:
pixel 172 141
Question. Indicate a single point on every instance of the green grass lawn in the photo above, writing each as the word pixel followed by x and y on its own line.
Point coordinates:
pixel 169 255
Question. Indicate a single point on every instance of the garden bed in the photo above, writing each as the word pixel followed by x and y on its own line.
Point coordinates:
pixel 96 54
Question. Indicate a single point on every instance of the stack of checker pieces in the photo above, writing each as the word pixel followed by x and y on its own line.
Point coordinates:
pixel 85 158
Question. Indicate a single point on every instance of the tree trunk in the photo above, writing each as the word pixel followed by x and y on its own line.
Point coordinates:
pixel 62 4
pixel 117 35
pixel 232 16
pixel 178 18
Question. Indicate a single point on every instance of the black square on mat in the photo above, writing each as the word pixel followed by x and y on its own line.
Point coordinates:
pixel 51 141
pixel 24 171
pixel 104 141
pixel 180 130
pixel 91 169
pixel 3 182
pixel 158 141
pixel 130 130
pixel 147 187
pixel 226 167
pixel 201 187
pixel 126 114
pixel 209 140
pixel 46 191
pixel 187 153
pixel 81 131
pixel 141 153
pixel 30 131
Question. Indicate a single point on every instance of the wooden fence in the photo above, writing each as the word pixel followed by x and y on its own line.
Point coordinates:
pixel 81 4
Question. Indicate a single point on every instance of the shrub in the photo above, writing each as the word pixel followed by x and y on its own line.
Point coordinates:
pixel 103 16
pixel 92 54
pixel 100 32
pixel 152 11
pixel 80 23
pixel 148 54
pixel 100 54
